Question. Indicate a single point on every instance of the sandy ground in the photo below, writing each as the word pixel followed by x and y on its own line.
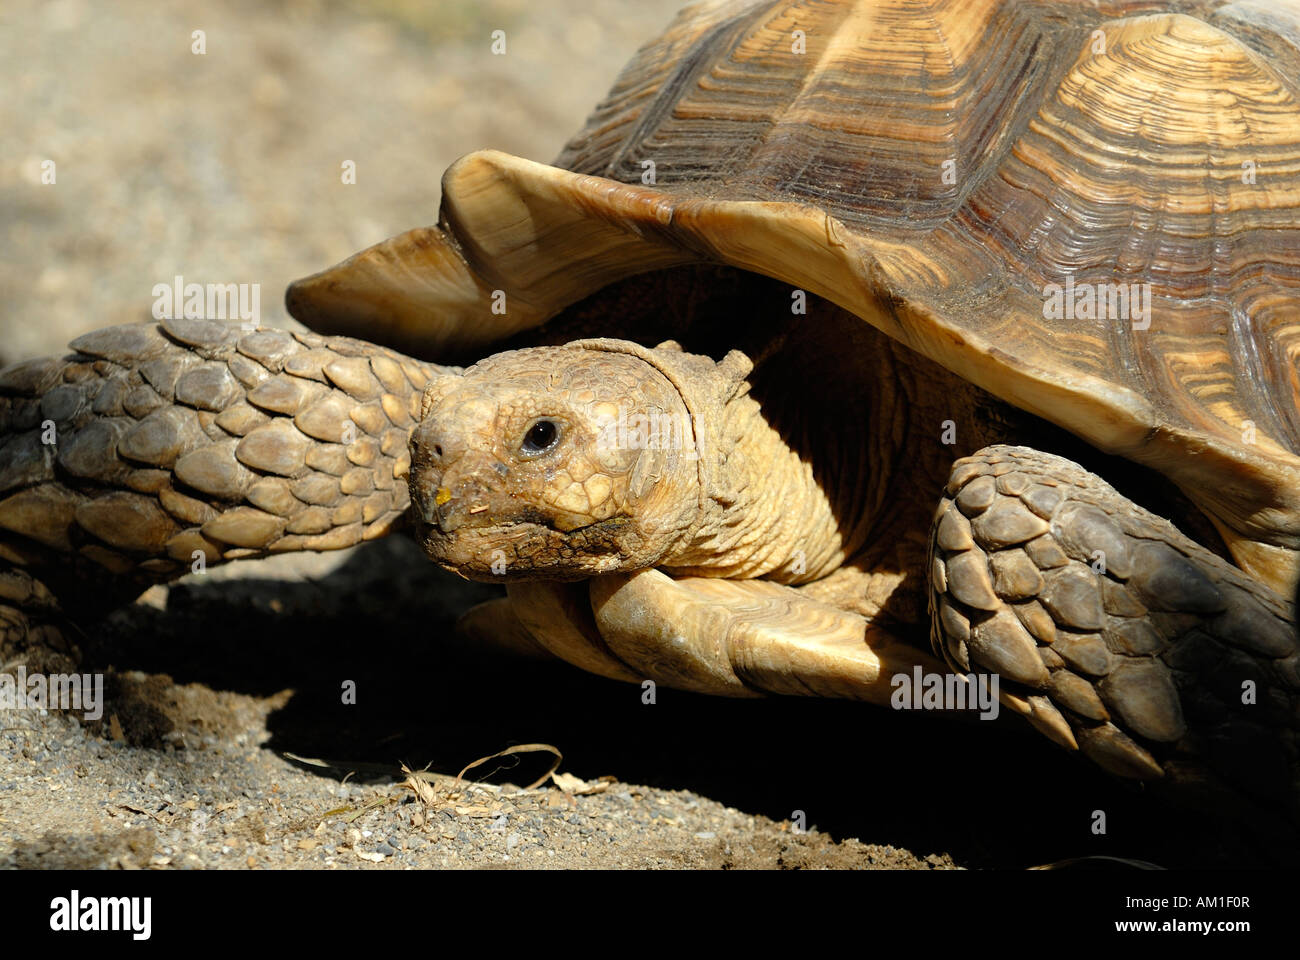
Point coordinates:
pixel 226 743
pixel 225 167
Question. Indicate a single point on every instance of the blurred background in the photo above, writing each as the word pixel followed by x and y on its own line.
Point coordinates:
pixel 225 167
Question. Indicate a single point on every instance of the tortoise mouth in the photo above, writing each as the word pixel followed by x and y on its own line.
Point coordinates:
pixel 527 548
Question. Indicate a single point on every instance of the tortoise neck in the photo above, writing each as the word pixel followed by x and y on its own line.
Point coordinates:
pixel 833 458
pixel 799 474
pixel 764 514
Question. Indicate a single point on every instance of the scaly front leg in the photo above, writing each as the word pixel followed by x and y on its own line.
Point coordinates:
pixel 1115 634
pixel 154 450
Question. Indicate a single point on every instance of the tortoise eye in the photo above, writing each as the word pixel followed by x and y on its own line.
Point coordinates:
pixel 542 436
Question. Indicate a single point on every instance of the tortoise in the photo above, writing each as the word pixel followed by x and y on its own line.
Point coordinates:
pixel 847 343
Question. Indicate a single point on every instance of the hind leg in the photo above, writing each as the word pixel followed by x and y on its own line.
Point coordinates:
pixel 1116 635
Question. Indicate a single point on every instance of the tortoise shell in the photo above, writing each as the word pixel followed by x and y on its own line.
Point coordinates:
pixel 1090 210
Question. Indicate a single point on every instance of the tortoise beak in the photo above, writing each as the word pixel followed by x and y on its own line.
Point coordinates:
pixel 451 486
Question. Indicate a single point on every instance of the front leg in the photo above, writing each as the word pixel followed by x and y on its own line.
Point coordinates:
pixel 1115 634
pixel 729 638
pixel 157 450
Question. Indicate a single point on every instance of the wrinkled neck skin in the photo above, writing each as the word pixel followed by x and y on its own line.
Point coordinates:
pixel 762 513
pixel 829 469
pixel 776 507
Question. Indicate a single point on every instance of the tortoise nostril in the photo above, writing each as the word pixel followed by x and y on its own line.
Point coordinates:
pixel 437 449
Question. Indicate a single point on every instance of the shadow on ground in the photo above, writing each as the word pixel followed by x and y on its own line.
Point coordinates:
pixel 990 794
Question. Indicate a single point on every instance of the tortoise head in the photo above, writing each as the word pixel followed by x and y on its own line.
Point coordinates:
pixel 555 462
